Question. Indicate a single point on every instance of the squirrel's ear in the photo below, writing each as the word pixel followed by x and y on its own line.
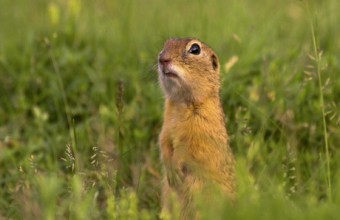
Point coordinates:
pixel 214 62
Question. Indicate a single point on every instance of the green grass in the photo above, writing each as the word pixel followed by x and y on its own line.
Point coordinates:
pixel 81 108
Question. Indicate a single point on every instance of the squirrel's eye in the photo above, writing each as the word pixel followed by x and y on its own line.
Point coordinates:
pixel 195 49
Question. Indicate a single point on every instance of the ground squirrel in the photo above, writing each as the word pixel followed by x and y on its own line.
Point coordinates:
pixel 194 141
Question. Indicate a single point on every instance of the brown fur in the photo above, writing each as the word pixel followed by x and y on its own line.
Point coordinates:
pixel 194 140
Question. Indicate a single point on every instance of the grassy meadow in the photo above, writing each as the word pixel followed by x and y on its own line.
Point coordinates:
pixel 81 108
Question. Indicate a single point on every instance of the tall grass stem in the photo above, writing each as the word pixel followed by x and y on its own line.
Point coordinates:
pixel 70 122
pixel 317 57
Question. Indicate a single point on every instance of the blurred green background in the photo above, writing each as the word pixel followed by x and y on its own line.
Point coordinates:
pixel 81 108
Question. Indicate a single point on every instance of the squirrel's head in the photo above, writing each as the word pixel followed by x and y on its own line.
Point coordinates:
pixel 188 70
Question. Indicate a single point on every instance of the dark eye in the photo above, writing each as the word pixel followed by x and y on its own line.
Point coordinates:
pixel 195 49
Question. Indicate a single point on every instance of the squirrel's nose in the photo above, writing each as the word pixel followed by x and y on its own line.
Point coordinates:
pixel 163 59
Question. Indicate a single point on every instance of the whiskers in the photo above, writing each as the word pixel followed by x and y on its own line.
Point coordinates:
pixel 150 73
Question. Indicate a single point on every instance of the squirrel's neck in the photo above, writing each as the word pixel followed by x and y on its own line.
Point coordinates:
pixel 209 110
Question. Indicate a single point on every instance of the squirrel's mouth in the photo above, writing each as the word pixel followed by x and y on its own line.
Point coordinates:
pixel 167 71
pixel 169 74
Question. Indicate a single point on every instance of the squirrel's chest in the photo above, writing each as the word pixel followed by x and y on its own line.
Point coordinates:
pixel 181 132
pixel 186 140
